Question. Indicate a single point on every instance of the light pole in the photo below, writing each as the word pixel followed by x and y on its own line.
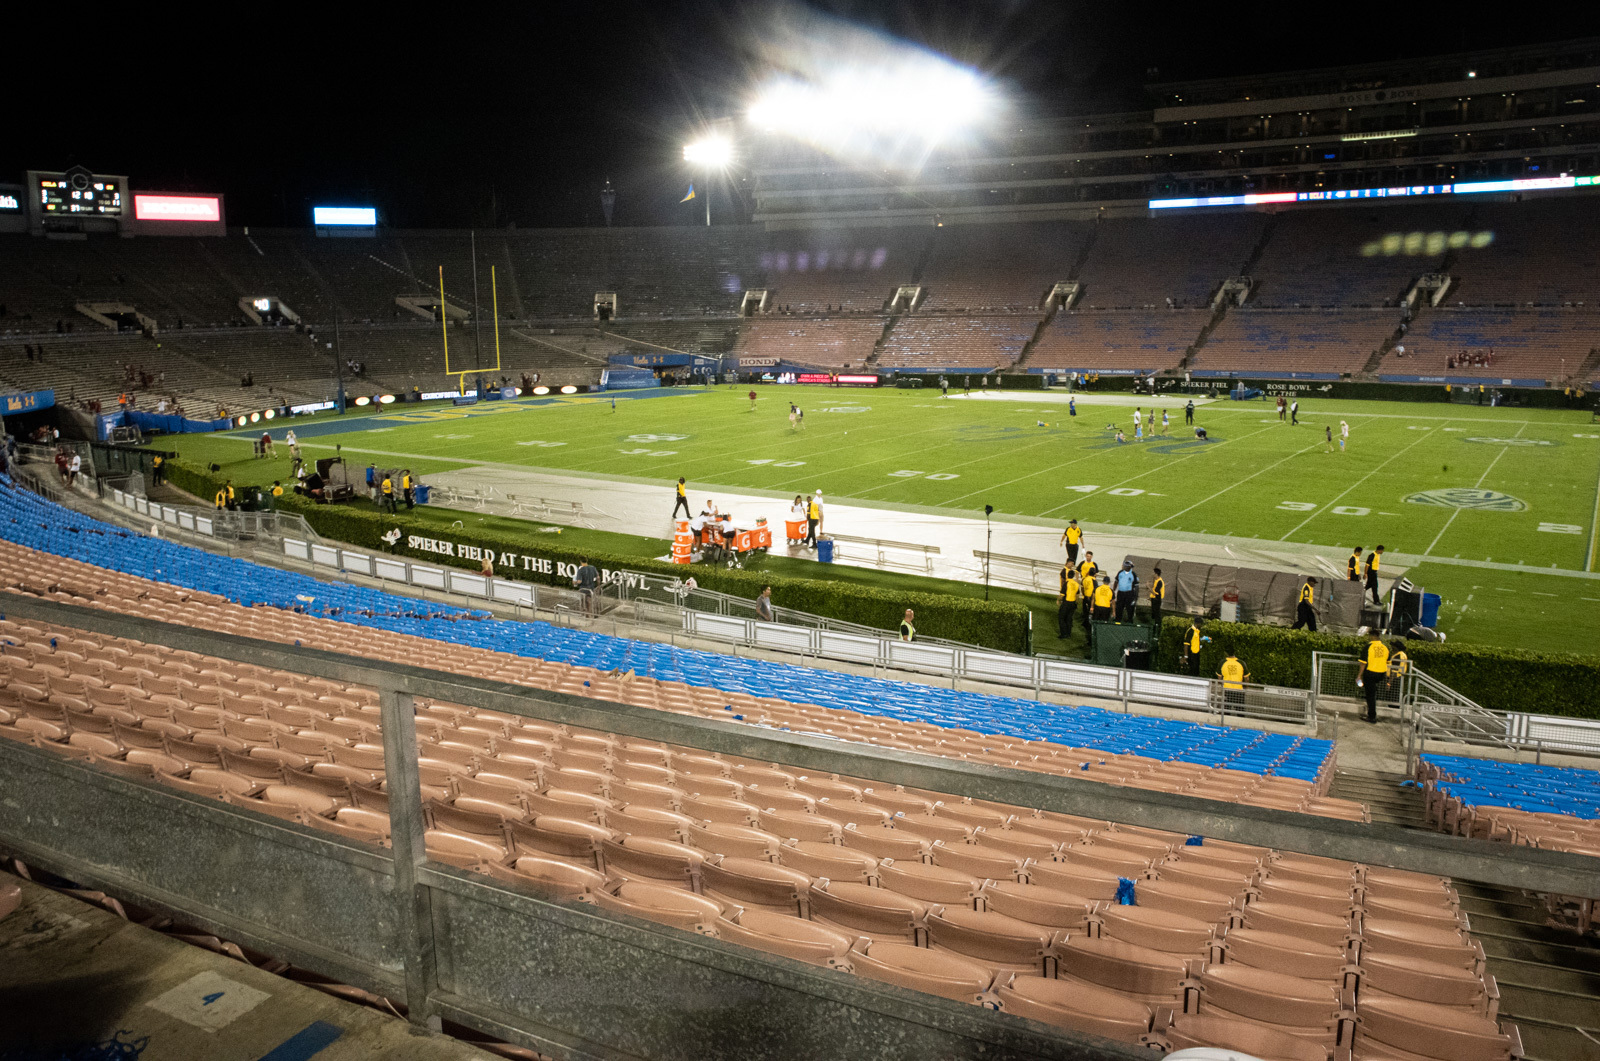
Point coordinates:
pixel 712 153
pixel 988 546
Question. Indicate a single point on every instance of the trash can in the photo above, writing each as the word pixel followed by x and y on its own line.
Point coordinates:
pixel 422 491
pixel 825 550
pixel 1136 655
pixel 1228 611
pixel 1430 609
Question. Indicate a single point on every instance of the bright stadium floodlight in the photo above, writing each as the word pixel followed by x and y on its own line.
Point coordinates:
pixel 713 151
pixel 864 96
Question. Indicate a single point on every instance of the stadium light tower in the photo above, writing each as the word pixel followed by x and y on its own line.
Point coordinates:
pixel 712 153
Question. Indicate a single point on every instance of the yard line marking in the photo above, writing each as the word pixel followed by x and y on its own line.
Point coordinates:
pixel 1594 525
pixel 1456 512
pixel 1204 451
pixel 1241 482
pixel 1420 439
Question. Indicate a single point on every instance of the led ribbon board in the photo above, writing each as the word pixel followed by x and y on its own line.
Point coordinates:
pixel 329 216
pixel 1523 184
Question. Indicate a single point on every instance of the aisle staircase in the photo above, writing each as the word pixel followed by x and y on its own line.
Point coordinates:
pixel 1549 976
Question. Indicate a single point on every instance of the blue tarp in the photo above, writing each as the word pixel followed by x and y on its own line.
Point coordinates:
pixel 173 425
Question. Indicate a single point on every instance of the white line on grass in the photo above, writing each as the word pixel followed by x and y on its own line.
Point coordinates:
pixel 1240 482
pixel 1420 439
pixel 1475 486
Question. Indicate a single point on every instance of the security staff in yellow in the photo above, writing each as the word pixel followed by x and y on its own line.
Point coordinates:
pixel 1158 597
pixel 1192 640
pixel 1305 614
pixel 1086 580
pixel 1103 595
pixel 1233 677
pixel 1374 671
pixel 1067 602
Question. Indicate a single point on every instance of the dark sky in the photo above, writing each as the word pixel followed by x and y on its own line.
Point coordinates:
pixel 463 116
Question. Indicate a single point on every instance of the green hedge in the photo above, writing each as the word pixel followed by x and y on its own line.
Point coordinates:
pixel 1505 679
pixel 991 624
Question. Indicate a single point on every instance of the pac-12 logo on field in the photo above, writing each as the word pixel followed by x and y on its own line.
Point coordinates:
pixel 1468 497
pixel 1509 441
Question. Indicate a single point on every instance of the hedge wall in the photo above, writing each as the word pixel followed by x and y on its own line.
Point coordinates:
pixel 991 624
pixel 1508 680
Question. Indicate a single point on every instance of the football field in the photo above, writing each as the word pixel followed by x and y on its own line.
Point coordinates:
pixel 1477 488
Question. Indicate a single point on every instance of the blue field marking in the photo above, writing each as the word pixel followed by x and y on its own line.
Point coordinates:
pixel 304 1043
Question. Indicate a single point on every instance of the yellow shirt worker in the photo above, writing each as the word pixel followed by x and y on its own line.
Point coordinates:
pixel 1067 602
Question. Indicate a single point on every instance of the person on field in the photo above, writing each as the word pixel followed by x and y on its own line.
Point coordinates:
pixel 1188 414
pixel 683 499
pixel 1067 601
pixel 1127 591
pixel 1166 422
pixel 1294 412
pixel 1305 614
pixel 1327 438
pixel 752 401
pixel 1344 434
pixel 1374 558
pixel 908 629
pixel 1374 671
pixel 387 489
pixel 1072 537
pixel 1158 597
pixel 1281 408
pixel 1072 406
pixel 944 387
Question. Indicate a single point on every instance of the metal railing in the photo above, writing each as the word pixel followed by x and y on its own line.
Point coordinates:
pixel 456 945
pixel 235 526
pixel 1510 731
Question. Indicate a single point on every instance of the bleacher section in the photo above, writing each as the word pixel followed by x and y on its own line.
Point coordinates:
pixel 1544 252
pixel 1074 921
pixel 1547 344
pixel 854 271
pixel 1324 259
pixel 1270 342
pixel 827 343
pixel 998 268
pixel 956 342
pixel 1108 342
pixel 1139 264
pixel 681 288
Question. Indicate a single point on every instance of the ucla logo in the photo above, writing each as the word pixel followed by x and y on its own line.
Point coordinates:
pixel 1468 497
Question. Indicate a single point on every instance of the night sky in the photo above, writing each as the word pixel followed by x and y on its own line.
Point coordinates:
pixel 487 117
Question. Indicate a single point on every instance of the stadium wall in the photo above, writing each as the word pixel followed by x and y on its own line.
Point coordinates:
pixel 1546 683
pixel 989 624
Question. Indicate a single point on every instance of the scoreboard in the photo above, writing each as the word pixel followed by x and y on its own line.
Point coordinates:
pixel 80 193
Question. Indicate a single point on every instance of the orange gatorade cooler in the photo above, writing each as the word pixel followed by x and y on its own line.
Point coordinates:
pixel 795 530
pixel 682 542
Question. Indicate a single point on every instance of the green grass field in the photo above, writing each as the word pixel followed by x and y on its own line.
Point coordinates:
pixel 1470 486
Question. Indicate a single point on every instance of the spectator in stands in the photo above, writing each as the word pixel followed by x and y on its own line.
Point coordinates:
pixel 908 630
pixel 764 605
pixel 74 466
pixel 586 579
